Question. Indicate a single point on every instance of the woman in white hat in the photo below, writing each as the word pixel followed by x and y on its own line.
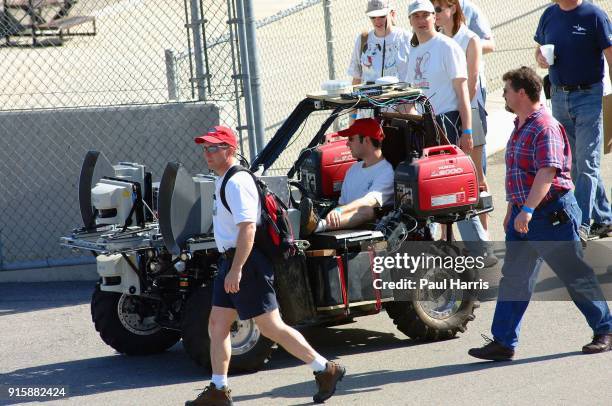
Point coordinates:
pixel 381 51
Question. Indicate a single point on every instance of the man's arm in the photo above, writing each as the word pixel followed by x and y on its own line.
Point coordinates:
pixel 540 60
pixel 466 143
pixel 541 186
pixel 354 213
pixel 244 246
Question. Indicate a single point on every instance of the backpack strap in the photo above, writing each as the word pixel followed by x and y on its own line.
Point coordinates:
pixel 364 41
pixel 231 172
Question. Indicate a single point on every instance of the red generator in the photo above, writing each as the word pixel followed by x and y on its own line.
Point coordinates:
pixel 443 181
pixel 323 170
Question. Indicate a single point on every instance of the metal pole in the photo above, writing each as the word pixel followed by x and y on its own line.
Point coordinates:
pixel 171 74
pixel 198 48
pixel 244 61
pixel 329 38
pixel 232 25
pixel 254 76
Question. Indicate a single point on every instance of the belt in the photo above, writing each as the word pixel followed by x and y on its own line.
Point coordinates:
pixel 573 88
pixel 228 254
pixel 554 196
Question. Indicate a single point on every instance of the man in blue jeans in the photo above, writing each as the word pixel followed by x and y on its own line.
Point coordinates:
pixel 582 34
pixel 542 221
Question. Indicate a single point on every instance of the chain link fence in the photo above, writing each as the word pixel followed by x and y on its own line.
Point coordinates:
pixel 131 90
pixel 126 91
pixel 293 52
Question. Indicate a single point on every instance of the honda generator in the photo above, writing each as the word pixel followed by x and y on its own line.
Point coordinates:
pixel 323 169
pixel 441 182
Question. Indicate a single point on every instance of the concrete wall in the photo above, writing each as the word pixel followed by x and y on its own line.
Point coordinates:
pixel 39 170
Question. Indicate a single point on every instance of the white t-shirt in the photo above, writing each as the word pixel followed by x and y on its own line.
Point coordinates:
pixel 463 37
pixel 240 193
pixel 375 181
pixel 368 65
pixel 433 66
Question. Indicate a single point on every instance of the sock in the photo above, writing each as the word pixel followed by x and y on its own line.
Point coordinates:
pixel 318 364
pixel 219 380
pixel 321 226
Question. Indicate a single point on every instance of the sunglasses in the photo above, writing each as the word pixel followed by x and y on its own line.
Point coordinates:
pixel 214 148
pixel 439 9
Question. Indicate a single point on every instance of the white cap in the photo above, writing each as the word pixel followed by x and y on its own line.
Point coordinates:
pixel 379 8
pixel 420 5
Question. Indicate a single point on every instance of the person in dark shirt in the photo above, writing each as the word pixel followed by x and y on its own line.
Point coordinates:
pixel 582 35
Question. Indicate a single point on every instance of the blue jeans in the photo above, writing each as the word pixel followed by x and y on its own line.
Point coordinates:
pixel 559 245
pixel 472 232
pixel 580 112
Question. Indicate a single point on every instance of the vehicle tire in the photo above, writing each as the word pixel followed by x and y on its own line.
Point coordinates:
pixel 250 350
pixel 435 314
pixel 121 327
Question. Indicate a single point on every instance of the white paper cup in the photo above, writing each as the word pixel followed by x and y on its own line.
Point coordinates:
pixel 548 51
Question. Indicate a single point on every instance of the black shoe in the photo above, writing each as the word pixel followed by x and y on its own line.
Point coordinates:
pixel 600 231
pixel 600 343
pixel 327 381
pixel 308 217
pixel 492 351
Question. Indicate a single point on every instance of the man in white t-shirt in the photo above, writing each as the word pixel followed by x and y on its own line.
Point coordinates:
pixel 244 284
pixel 368 183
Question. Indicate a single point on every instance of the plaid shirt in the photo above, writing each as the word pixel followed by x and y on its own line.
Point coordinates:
pixel 540 143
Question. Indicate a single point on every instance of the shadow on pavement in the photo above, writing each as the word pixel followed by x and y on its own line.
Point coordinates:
pixel 110 373
pixel 18 298
pixel 375 380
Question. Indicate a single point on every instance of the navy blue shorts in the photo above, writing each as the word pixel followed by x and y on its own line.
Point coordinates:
pixel 256 295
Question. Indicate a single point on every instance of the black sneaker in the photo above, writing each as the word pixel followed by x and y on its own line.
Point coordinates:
pixel 600 231
pixel 492 351
pixel 327 381
pixel 211 396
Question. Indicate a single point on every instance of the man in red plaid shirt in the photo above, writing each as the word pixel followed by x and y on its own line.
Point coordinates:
pixel 542 221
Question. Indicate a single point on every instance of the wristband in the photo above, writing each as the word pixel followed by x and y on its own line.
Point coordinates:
pixel 527 209
pixel 338 209
pixel 353 116
pixel 467 131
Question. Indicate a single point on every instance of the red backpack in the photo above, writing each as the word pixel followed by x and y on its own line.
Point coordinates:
pixel 274 236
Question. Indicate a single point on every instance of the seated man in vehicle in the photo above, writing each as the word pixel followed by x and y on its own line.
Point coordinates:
pixel 368 183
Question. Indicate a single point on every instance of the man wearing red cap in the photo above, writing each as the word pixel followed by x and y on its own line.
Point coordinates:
pixel 368 183
pixel 244 284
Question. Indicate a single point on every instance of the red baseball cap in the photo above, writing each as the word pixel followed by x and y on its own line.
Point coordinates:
pixel 219 134
pixel 367 127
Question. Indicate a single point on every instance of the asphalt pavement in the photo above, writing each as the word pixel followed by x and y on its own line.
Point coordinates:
pixel 48 339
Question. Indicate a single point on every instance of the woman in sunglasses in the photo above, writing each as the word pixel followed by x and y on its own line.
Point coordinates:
pixel 451 22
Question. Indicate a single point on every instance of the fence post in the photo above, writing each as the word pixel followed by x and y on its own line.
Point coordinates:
pixel 171 74
pixel 254 75
pixel 246 79
pixel 329 38
pixel 198 48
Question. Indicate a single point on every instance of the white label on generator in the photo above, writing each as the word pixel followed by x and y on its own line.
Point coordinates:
pixel 443 200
